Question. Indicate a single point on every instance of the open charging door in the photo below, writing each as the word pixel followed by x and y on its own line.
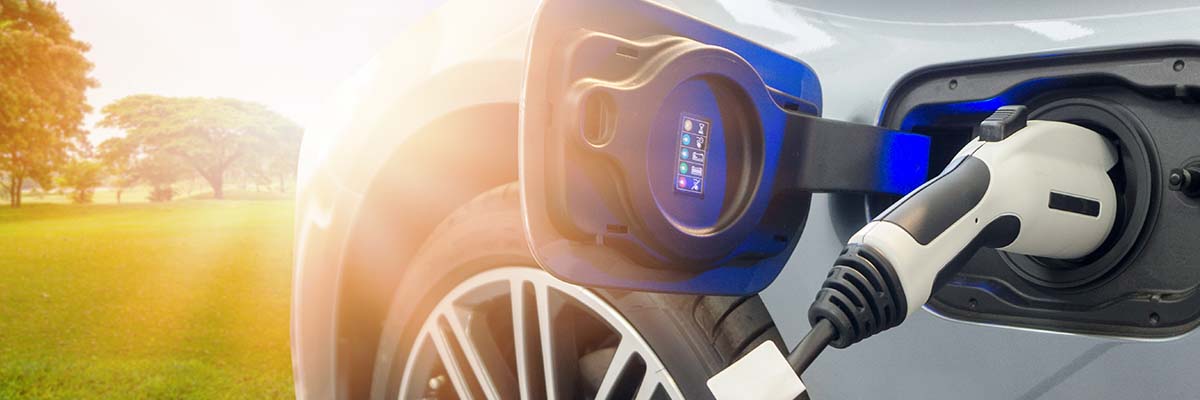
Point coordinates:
pixel 661 153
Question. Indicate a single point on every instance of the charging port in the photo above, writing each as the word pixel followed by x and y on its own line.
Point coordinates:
pixel 1141 281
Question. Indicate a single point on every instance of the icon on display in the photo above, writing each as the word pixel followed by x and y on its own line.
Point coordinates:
pixel 685 154
pixel 687 139
pixel 683 168
pixel 693 125
pixel 689 184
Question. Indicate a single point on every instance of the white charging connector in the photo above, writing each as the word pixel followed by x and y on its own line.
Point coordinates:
pixel 1039 188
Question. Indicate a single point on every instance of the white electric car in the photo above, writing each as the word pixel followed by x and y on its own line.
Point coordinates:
pixel 414 275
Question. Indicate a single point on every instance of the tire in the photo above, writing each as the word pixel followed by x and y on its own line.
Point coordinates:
pixel 693 336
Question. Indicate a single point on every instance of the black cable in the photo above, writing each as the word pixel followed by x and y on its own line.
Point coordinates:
pixel 811 346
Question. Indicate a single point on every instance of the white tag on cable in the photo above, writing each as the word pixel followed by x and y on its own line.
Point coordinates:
pixel 763 374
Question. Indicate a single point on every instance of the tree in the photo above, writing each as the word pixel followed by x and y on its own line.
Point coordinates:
pixel 285 158
pixel 208 135
pixel 120 157
pixel 82 176
pixel 276 158
pixel 42 93
pixel 161 172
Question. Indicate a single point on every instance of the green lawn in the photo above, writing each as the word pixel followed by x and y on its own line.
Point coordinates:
pixel 102 196
pixel 140 194
pixel 187 299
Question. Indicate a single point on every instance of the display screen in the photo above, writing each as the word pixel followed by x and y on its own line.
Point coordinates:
pixel 693 140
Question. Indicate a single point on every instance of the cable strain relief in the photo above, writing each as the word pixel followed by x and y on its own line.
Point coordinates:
pixel 861 296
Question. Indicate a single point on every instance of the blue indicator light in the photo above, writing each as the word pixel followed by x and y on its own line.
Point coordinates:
pixel 696 142
pixel 931 114
pixel 904 162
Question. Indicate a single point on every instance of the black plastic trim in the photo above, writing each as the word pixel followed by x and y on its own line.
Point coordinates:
pixel 1003 123
pixel 1074 204
pixel 823 155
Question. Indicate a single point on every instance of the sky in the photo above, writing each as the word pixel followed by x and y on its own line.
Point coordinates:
pixel 287 54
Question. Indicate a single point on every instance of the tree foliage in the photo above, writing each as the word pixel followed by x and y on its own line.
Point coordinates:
pixel 42 92
pixel 209 135
pixel 128 165
pixel 275 159
pixel 120 157
pixel 161 172
pixel 82 177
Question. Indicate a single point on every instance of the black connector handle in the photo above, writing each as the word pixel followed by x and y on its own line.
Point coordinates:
pixel 860 297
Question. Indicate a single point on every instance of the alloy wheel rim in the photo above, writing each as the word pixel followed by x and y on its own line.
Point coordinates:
pixel 517 332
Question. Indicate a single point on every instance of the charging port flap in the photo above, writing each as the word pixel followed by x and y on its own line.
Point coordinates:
pixel 661 153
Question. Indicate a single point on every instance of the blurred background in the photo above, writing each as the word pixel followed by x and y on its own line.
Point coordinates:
pixel 147 160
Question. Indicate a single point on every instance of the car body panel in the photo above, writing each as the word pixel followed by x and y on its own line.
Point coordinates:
pixel 470 53
pixel 436 68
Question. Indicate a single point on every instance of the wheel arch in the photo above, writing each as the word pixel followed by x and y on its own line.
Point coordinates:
pixel 440 167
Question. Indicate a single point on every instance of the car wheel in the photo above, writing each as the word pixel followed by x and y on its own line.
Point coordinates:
pixel 475 318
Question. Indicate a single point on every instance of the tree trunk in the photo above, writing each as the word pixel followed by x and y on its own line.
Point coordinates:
pixel 14 191
pixel 119 195
pixel 216 180
pixel 218 186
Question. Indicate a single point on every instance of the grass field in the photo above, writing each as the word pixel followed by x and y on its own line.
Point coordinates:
pixel 140 194
pixel 187 299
